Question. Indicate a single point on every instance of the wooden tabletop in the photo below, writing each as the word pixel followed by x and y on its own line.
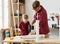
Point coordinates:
pixel 31 39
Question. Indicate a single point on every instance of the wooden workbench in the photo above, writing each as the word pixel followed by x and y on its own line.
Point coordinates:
pixel 31 39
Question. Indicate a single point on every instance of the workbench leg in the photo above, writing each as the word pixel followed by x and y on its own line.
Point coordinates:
pixel 37 43
pixel 11 42
pixel 21 43
pixel 6 43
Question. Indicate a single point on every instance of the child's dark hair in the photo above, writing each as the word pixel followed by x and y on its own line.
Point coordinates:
pixel 35 4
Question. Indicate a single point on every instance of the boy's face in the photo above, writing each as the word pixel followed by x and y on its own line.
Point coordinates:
pixel 25 20
pixel 37 9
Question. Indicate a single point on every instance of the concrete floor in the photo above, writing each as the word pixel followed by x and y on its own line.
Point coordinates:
pixel 54 32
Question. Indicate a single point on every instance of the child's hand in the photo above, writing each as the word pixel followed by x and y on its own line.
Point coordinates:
pixel 19 31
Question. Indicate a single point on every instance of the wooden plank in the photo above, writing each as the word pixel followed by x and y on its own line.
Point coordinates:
pixel 13 18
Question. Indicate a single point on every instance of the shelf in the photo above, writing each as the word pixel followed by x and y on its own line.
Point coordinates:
pixel 16 16
pixel 17 8
pixel 18 3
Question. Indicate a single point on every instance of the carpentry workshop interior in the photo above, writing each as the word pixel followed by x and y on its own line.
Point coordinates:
pixel 29 22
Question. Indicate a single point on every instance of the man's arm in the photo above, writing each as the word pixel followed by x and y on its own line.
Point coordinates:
pixel 32 32
pixel 33 21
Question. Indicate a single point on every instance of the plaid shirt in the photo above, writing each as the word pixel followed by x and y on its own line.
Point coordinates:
pixel 43 21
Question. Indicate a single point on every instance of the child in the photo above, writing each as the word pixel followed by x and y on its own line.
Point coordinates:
pixel 40 15
pixel 24 25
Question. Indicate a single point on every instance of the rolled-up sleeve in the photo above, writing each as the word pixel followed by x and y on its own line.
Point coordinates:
pixel 35 18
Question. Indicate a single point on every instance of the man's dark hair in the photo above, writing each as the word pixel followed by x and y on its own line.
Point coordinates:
pixel 35 4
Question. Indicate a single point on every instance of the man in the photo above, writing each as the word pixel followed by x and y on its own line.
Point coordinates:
pixel 42 17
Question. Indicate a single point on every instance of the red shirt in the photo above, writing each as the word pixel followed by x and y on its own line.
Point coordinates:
pixel 43 21
pixel 24 28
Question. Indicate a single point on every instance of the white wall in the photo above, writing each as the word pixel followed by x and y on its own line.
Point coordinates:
pixel 6 14
pixel 0 14
pixel 0 21
pixel 29 9
pixel 52 6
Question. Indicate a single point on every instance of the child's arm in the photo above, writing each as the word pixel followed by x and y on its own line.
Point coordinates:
pixel 20 27
pixel 33 21
pixel 29 27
